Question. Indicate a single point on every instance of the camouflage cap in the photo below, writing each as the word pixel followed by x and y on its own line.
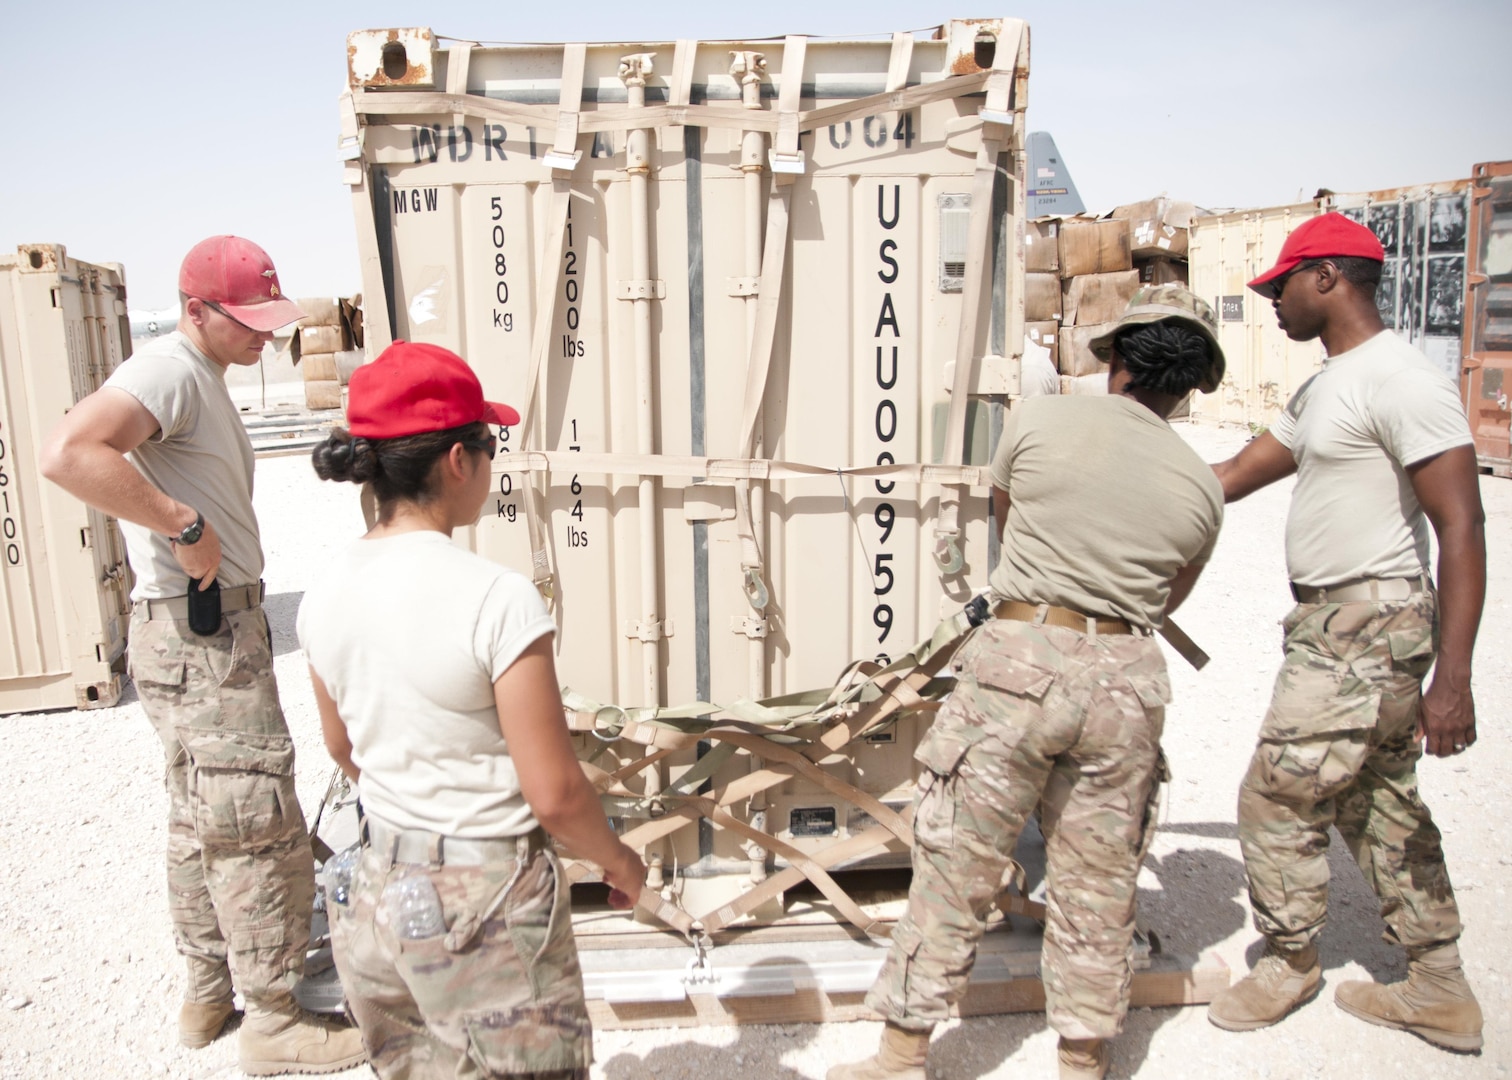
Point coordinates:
pixel 1159 303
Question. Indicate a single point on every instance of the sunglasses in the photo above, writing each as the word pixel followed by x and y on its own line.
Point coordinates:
pixel 490 446
pixel 1280 282
pixel 213 306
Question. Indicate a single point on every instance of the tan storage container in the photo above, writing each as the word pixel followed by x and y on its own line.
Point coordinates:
pixel 1075 357
pixel 1098 298
pixel 723 298
pixel 1042 246
pixel 64 585
pixel 1157 226
pixel 1093 247
pixel 1042 297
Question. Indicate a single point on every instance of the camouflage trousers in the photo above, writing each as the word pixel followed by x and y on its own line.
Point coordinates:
pixel 497 993
pixel 1339 747
pixel 1040 715
pixel 241 880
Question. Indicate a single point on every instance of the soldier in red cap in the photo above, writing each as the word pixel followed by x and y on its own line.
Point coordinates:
pixel 1381 448
pixel 161 447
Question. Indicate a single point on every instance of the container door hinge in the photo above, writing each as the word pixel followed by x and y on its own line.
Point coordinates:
pixel 751 626
pixel 641 290
pixel 649 629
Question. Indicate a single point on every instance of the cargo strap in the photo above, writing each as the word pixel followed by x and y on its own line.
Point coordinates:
pixel 562 158
pixel 785 158
pixel 789 735
pixel 974 293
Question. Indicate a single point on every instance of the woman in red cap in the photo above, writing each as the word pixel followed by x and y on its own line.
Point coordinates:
pixel 438 697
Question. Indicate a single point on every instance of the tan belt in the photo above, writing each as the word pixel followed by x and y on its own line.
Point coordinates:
pixel 417 846
pixel 1048 614
pixel 177 607
pixel 1362 589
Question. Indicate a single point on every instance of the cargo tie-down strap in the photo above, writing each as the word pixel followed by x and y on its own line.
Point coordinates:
pixel 790 735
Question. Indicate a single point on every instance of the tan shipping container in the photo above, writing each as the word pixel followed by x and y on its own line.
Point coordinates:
pixel 758 304
pixel 64 584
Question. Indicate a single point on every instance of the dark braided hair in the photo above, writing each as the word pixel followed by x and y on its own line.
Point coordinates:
pixel 1168 357
pixel 398 468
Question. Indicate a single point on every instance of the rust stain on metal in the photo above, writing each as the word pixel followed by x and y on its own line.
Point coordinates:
pixel 965 64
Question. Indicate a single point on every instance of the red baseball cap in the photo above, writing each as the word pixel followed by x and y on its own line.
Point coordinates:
pixel 1322 237
pixel 413 388
pixel 237 276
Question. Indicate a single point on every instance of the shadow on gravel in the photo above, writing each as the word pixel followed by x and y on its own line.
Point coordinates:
pixel 281 610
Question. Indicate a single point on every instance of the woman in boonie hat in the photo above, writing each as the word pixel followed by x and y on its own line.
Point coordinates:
pixel 438 697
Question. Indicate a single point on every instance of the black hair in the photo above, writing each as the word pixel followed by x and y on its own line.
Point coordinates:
pixel 1168 357
pixel 399 468
pixel 1363 274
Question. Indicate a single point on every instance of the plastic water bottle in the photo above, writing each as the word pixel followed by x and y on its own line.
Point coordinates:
pixel 414 909
pixel 336 874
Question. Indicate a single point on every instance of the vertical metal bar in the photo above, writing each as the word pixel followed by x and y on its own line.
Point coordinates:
pixel 693 170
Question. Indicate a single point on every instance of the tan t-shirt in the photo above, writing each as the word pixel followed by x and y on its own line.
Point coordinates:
pixel 1353 429
pixel 409 634
pixel 200 456
pixel 1106 504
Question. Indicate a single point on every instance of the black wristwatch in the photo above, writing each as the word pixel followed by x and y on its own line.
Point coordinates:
pixel 191 532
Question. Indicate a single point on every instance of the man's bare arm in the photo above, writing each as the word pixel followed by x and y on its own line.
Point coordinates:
pixel 1448 487
pixel 85 455
pixel 1262 461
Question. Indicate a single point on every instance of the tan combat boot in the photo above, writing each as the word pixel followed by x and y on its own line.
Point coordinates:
pixel 200 1022
pixel 207 1002
pixel 1083 1059
pixel 278 1038
pixel 1279 982
pixel 1434 1002
pixel 900 1057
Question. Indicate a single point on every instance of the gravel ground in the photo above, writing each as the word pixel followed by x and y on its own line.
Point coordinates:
pixel 89 981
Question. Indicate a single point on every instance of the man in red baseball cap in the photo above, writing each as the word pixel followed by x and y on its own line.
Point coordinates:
pixel 161 447
pixel 1381 448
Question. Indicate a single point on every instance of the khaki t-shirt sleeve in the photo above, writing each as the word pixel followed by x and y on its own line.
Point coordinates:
pixel 511 617
pixel 1002 460
pixel 165 389
pixel 1417 413
pixel 1285 427
pixel 1215 527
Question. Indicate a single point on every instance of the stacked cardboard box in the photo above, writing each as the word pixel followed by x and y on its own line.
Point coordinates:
pixel 326 347
pixel 1081 272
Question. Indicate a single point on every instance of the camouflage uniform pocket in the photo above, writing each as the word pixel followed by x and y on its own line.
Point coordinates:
pixel 1411 650
pixel 240 786
pixel 941 754
pixel 538 914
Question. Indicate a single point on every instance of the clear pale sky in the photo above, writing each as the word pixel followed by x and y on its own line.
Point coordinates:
pixel 132 131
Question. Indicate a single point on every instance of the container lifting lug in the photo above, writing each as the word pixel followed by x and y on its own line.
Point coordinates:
pixel 755 588
pixel 947 554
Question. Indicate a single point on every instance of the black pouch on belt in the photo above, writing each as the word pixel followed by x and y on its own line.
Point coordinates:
pixel 204 608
